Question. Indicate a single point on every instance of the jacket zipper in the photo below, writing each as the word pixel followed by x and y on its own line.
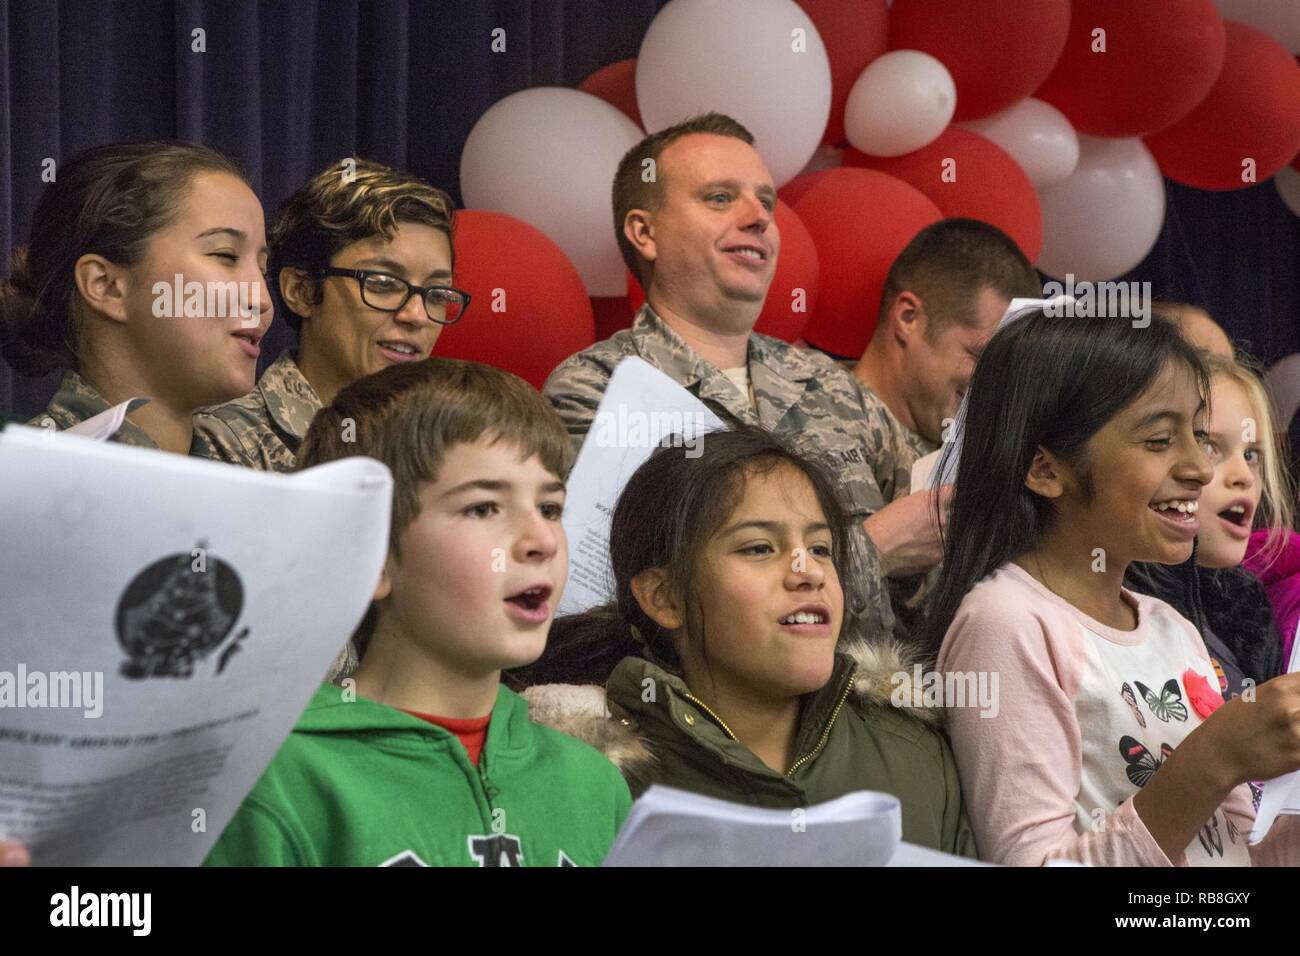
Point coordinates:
pixel 848 686
pixel 704 707
pixel 490 790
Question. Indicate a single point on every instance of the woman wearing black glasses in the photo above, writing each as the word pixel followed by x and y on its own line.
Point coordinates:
pixel 363 255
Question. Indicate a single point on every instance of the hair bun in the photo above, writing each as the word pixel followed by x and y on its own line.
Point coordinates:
pixel 19 280
pixel 17 320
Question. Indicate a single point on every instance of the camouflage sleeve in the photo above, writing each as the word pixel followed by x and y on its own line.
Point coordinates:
pixel 223 443
pixel 574 390
pixel 879 475
pixel 874 609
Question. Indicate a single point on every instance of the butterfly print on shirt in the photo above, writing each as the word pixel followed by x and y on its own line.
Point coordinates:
pixel 1130 698
pixel 1210 837
pixel 1141 764
pixel 1168 704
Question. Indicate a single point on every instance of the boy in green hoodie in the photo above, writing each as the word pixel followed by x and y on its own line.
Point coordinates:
pixel 423 757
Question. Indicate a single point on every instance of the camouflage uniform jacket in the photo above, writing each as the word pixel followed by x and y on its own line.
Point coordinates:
pixel 803 397
pixel 76 401
pixel 893 459
pixel 263 429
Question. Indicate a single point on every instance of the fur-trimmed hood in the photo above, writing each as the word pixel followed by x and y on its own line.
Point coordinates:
pixel 855 733
pixel 885 674
pixel 882 674
pixel 582 711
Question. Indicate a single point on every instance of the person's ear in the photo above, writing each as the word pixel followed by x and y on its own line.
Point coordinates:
pixel 638 230
pixel 906 318
pixel 653 592
pixel 1047 476
pixel 103 285
pixel 385 586
pixel 298 291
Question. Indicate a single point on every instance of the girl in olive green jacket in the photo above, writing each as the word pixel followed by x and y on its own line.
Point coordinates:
pixel 724 649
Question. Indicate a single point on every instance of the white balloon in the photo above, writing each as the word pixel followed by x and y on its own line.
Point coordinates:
pixel 548 155
pixel 1037 136
pixel 1287 182
pixel 902 101
pixel 1102 221
pixel 1280 19
pixel 761 62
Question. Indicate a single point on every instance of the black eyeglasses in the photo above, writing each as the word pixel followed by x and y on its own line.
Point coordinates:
pixel 388 293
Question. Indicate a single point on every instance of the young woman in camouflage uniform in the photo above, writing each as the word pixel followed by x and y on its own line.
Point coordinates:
pixel 363 257
pixel 120 228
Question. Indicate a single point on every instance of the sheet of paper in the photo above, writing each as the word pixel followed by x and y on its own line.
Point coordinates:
pixel 670 827
pixel 104 426
pixel 945 472
pixel 909 854
pixel 1281 794
pixel 922 467
pixel 163 622
pixel 641 408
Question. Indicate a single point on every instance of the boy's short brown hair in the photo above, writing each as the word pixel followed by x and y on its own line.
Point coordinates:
pixel 347 201
pixel 409 416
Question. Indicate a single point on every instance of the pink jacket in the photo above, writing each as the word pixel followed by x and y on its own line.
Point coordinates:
pixel 1281 580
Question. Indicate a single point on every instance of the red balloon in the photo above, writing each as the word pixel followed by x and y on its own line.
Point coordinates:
pixel 792 191
pixel 998 51
pixel 616 85
pixel 860 220
pixel 986 183
pixel 855 32
pixel 1160 60
pixel 614 312
pixel 530 309
pixel 1253 112
pixel 792 296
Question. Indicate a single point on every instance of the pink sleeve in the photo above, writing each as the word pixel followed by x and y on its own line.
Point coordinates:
pixel 1020 770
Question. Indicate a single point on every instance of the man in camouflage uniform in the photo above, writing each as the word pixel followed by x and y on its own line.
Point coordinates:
pixel 353 221
pixel 702 238
pixel 942 300
pixel 76 401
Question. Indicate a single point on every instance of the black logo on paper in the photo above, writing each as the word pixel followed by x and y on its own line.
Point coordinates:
pixel 172 615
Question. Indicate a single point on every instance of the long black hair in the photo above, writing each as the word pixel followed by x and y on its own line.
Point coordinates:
pixel 669 510
pixel 1043 381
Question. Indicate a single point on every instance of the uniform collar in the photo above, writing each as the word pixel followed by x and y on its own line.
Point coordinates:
pixel 915 440
pixel 76 400
pixel 288 397
pixel 777 382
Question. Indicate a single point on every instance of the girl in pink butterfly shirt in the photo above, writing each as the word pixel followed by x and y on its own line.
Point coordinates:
pixel 1110 743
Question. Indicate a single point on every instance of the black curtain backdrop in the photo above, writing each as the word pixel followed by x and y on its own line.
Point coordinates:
pixel 287 86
